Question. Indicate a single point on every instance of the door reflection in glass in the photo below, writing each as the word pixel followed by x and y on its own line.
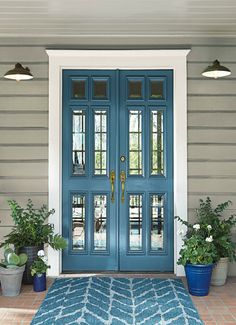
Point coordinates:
pixel 135 222
pixel 100 222
pixel 157 222
pixel 78 222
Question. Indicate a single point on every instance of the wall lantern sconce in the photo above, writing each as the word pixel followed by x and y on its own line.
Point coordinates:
pixel 216 71
pixel 19 73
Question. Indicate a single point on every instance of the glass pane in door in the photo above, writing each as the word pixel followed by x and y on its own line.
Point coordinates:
pixel 135 142
pixel 135 89
pixel 157 222
pixel 135 222
pixel 78 222
pixel 100 222
pixel 157 143
pixel 79 89
pixel 78 140
pixel 156 89
pixel 100 142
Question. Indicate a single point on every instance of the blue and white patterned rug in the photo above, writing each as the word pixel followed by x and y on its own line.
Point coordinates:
pixel 117 301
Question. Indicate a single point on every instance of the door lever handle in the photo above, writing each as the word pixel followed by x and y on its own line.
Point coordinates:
pixel 112 180
pixel 122 180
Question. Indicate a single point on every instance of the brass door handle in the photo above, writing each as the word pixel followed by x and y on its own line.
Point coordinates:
pixel 122 180
pixel 112 180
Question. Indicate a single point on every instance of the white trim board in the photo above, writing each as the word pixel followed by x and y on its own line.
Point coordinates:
pixel 117 59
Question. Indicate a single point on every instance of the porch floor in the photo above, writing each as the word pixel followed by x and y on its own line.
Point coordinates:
pixel 218 308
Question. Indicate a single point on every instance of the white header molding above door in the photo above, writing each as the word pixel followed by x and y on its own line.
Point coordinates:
pixel 117 59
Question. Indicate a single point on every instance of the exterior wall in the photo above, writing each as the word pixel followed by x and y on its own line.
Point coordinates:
pixel 24 122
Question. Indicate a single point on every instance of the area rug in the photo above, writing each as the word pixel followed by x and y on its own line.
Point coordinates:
pixel 117 301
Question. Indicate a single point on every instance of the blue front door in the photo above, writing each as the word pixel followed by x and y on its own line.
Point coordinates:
pixel 117 170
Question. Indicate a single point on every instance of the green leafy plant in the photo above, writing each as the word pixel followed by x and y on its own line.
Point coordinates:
pixel 12 260
pixel 31 227
pixel 199 246
pixel 39 265
pixel 221 227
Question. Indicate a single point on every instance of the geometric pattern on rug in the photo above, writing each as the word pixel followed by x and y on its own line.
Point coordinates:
pixel 117 301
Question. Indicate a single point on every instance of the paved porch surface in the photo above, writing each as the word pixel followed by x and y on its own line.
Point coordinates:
pixel 218 308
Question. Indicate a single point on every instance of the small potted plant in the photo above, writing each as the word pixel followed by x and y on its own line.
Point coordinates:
pixel 31 232
pixel 198 255
pixel 38 271
pixel 11 272
pixel 221 232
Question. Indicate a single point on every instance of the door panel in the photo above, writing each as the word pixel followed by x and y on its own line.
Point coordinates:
pixel 89 153
pixel 146 215
pixel 117 170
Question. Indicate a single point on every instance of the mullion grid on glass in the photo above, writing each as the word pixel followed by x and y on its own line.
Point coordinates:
pixel 135 142
pixel 135 222
pixel 78 221
pixel 100 136
pixel 100 222
pixel 157 222
pixel 157 143
pixel 78 134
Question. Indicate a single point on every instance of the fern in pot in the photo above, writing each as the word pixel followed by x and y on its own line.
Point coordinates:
pixel 31 232
pixel 222 234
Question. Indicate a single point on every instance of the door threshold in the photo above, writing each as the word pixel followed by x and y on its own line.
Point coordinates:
pixel 163 275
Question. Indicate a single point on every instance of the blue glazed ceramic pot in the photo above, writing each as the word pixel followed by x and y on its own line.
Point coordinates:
pixel 198 278
pixel 39 283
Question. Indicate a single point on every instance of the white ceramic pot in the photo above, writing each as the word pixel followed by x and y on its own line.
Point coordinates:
pixel 220 271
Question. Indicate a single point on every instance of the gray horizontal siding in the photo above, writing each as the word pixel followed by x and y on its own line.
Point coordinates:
pixel 23 119
pixel 211 169
pixel 23 131
pixel 23 153
pixel 225 135
pixel 23 54
pixel 21 198
pixel 35 103
pixel 212 103
pixel 211 152
pixel 33 87
pixel 24 136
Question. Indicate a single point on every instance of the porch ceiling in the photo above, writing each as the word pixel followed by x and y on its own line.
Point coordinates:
pixel 58 18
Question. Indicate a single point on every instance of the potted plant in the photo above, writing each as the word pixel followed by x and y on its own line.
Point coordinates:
pixel 11 272
pixel 198 256
pixel 221 231
pixel 38 271
pixel 31 232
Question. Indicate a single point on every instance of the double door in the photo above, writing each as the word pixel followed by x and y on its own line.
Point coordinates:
pixel 117 170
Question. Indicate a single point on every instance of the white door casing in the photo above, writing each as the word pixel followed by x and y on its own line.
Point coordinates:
pixel 117 59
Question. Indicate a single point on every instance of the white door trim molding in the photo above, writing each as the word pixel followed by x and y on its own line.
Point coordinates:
pixel 117 59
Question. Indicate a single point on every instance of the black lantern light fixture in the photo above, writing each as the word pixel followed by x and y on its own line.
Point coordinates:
pixel 19 73
pixel 216 70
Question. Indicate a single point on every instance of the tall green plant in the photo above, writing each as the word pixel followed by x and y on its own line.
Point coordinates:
pixel 221 227
pixel 31 227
